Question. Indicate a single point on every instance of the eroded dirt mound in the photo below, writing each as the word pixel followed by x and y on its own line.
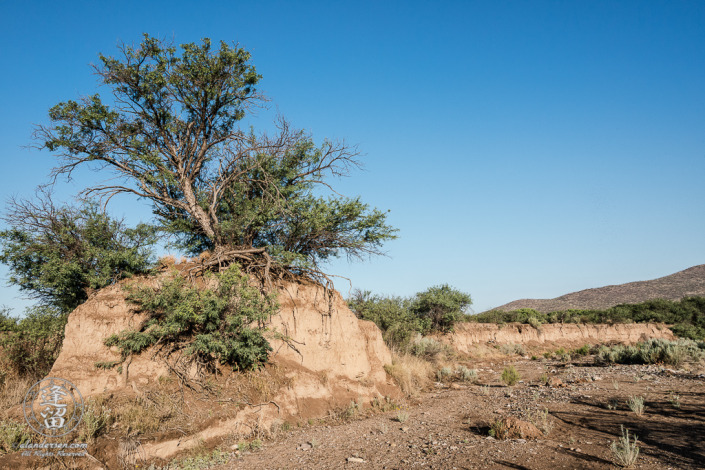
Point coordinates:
pixel 468 335
pixel 327 358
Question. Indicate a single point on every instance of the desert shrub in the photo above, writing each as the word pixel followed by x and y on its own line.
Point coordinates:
pixel 391 315
pixel 442 305
pixel 540 419
pixel 510 376
pixel 429 348
pixel 444 373
pixel 211 324
pixel 466 375
pixel 498 429
pixel 625 451
pixel 653 351
pixel 402 416
pixel 512 348
pixel 636 404
pixel 582 351
pixel 30 345
pixel 97 417
pixel 12 434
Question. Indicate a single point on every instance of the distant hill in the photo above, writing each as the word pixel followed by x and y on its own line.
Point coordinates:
pixel 686 283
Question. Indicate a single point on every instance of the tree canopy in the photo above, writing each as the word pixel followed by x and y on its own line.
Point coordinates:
pixel 57 255
pixel 170 134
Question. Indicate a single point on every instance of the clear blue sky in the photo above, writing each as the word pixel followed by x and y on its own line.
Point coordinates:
pixel 524 149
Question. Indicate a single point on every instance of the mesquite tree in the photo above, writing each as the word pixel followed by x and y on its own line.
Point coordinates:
pixel 171 135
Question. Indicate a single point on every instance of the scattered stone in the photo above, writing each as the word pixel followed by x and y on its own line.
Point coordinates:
pixel 555 382
pixel 305 446
pixel 355 460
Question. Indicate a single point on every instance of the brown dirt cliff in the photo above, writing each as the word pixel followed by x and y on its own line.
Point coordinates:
pixel 328 359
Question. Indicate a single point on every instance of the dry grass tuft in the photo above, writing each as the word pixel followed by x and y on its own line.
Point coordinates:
pixel 625 451
pixel 411 373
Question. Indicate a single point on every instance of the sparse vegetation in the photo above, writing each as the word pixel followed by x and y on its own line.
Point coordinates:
pixel 402 416
pixel 675 400
pixel 200 462
pixel 636 404
pixel 498 429
pixel 540 419
pixel 511 349
pixel 12 434
pixel 510 376
pixel 97 417
pixel 625 451
pixel 653 351
pixel 466 375
pixel 687 316
pixel 444 373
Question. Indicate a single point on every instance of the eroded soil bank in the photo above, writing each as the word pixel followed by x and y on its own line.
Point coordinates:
pixel 469 335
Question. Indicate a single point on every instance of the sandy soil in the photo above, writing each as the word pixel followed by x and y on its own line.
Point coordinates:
pixel 448 427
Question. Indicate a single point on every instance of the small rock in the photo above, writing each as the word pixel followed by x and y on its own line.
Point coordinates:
pixel 355 459
pixel 404 429
pixel 306 446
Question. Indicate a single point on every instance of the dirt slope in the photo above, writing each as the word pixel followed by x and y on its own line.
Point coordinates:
pixel 689 282
pixel 330 359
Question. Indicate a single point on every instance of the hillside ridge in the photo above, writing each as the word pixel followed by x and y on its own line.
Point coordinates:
pixel 685 283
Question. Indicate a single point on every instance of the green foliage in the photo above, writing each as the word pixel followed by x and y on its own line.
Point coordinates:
pixel 442 305
pixel 212 324
pixel 12 434
pixel 687 315
pixel 30 345
pixel 57 255
pixel 510 376
pixel 172 133
pixel 391 314
pixel 96 419
pixel 653 351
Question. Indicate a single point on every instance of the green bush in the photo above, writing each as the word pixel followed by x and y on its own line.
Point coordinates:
pixel 687 316
pixel 391 315
pixel 653 351
pixel 12 434
pixel 30 345
pixel 57 255
pixel 442 305
pixel 401 319
pixel 510 376
pixel 213 324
